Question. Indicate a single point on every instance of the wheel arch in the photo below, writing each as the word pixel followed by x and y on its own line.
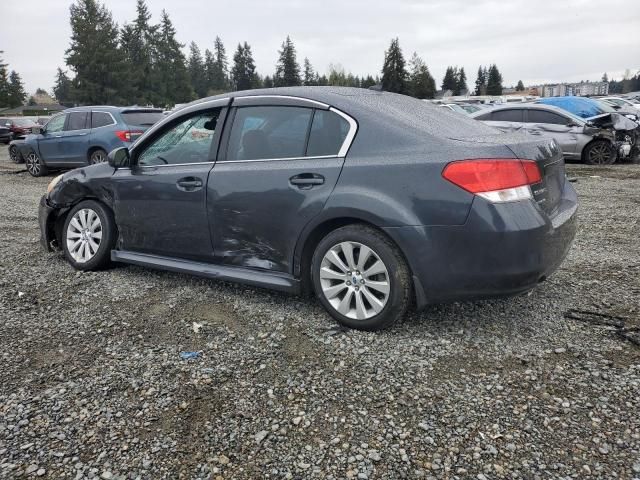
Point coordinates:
pixel 94 148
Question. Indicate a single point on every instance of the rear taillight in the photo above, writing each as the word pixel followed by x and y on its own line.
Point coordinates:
pixel 497 180
pixel 128 135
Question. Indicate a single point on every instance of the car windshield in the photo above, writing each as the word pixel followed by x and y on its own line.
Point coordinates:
pixel 142 118
pixel 24 122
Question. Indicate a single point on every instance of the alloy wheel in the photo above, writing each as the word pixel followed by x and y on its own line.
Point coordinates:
pixel 84 235
pixel 33 164
pixel 98 157
pixel 600 154
pixel 354 280
pixel 13 153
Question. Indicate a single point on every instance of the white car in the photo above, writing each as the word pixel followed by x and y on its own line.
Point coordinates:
pixel 621 102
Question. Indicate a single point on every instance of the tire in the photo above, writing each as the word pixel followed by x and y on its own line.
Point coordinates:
pixel 599 152
pixel 97 156
pixel 35 166
pixel 367 308
pixel 93 251
pixel 15 155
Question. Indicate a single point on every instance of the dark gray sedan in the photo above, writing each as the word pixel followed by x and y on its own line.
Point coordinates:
pixel 374 201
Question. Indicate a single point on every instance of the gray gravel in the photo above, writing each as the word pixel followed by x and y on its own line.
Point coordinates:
pixel 93 385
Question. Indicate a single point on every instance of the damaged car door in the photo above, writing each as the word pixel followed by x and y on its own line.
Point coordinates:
pixel 564 130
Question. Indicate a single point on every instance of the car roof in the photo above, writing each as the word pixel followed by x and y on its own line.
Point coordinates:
pixel 111 109
pixel 529 106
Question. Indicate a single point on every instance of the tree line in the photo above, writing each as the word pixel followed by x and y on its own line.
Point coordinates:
pixel 12 93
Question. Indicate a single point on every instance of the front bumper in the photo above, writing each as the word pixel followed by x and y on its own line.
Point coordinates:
pixel 47 216
pixel 502 249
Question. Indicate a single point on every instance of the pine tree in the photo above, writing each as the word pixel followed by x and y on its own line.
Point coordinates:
pixel 367 82
pixel 494 81
pixel 461 82
pixel 481 82
pixel 220 72
pixel 173 75
pixel 310 77
pixel 267 82
pixel 99 64
pixel 394 73
pixel 421 82
pixel 17 95
pixel 520 86
pixel 197 73
pixel 605 78
pixel 450 80
pixel 4 83
pixel 243 72
pixel 62 89
pixel 287 69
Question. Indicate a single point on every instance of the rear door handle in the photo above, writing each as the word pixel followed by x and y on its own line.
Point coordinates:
pixel 306 180
pixel 189 184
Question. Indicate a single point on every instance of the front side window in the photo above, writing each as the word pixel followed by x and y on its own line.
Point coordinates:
pixel 269 132
pixel 328 132
pixel 542 116
pixel 100 119
pixel 188 141
pixel 77 121
pixel 513 115
pixel 56 124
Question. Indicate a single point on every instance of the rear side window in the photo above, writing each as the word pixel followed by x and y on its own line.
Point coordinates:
pixel 328 132
pixel 141 119
pixel 513 115
pixel 101 119
pixel 77 121
pixel 269 132
pixel 542 116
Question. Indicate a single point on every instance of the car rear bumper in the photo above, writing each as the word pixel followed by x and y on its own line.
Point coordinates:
pixel 502 249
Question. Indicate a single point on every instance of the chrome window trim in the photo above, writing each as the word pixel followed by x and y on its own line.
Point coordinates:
pixel 174 165
pixel 115 122
pixel 290 97
pixel 317 157
pixel 353 128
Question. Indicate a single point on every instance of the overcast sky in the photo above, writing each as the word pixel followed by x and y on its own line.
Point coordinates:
pixel 536 41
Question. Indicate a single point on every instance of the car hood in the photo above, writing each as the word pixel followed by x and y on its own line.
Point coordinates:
pixel 616 121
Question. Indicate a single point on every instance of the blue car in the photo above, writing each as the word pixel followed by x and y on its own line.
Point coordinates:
pixel 83 136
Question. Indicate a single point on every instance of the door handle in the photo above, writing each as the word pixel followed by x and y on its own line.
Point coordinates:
pixel 189 184
pixel 306 180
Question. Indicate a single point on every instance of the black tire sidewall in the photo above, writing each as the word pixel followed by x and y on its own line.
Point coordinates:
pixel 599 142
pixel 103 257
pixel 91 162
pixel 399 277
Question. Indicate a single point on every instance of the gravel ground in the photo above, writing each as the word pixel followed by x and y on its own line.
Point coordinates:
pixel 93 385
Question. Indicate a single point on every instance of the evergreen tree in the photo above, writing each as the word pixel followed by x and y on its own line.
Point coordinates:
pixel 450 80
pixel 4 83
pixel 310 77
pixel 62 90
pixel 267 82
pixel 494 81
pixel 394 74
pixel 461 82
pixel 173 75
pixel 422 83
pixel 367 82
pixel 520 86
pixel 197 73
pixel 17 95
pixel 287 69
pixel 99 64
pixel 323 81
pixel 605 78
pixel 481 82
pixel 209 67
pixel 243 72
pixel 220 72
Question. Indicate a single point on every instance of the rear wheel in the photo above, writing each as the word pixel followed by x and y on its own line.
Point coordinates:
pixel 97 156
pixel 361 278
pixel 600 152
pixel 14 154
pixel 89 234
pixel 35 166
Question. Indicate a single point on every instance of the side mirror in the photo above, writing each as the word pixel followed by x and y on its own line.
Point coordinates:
pixel 118 157
pixel 38 130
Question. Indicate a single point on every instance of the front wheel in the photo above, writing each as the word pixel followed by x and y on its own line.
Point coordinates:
pixel 97 156
pixel 35 166
pixel 14 154
pixel 361 278
pixel 89 234
pixel 600 152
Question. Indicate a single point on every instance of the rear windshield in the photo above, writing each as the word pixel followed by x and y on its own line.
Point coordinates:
pixel 141 119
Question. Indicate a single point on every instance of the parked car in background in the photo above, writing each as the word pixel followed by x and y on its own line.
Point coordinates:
pixel 470 108
pixel 373 200
pixel 5 134
pixel 84 135
pixel 621 102
pixel 578 138
pixel 454 107
pixel 588 108
pixel 19 127
pixel 15 154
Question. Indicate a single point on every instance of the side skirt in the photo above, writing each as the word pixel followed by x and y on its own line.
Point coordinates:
pixel 271 280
